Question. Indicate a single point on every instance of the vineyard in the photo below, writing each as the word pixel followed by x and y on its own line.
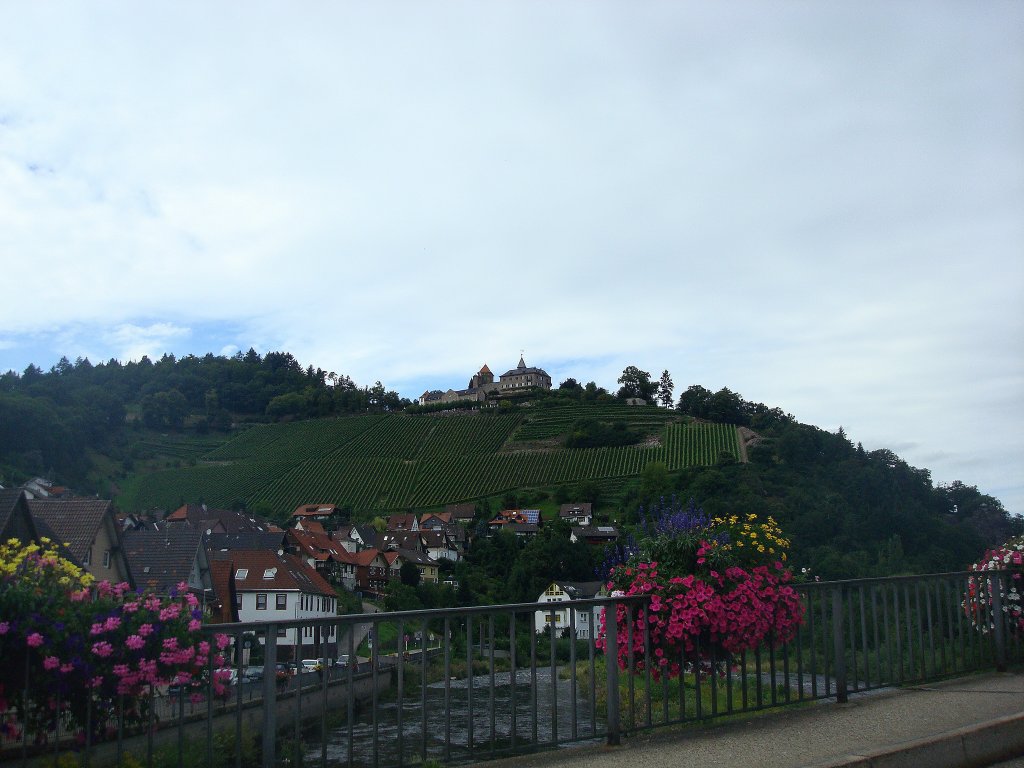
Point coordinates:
pixel 397 461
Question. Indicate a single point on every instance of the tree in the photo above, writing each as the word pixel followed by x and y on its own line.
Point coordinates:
pixel 665 387
pixel 409 574
pixel 636 383
pixel 695 401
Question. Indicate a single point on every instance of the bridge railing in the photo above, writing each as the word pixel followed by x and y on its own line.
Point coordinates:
pixel 466 684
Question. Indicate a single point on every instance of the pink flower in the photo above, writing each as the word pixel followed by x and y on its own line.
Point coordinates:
pixel 146 630
pixel 35 640
pixel 102 649
pixel 134 642
pixel 51 662
pixel 195 625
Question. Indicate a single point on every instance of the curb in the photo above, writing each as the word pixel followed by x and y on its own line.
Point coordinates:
pixel 974 746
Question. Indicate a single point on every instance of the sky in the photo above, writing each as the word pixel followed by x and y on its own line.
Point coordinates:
pixel 819 205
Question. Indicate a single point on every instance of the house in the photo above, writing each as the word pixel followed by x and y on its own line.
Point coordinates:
pixel 523 530
pixel 400 540
pixel 328 557
pixel 585 621
pixel 397 557
pixel 480 385
pixel 402 522
pixel 461 513
pixel 160 560
pixel 310 526
pixel 317 512
pixel 272 540
pixel 438 545
pixel 15 519
pixel 217 520
pixel 89 530
pixel 435 521
pixel 523 377
pixel 577 512
pixel 371 571
pixel 600 534
pixel 520 516
pixel 275 587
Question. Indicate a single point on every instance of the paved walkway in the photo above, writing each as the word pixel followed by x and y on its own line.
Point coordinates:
pixel 970 721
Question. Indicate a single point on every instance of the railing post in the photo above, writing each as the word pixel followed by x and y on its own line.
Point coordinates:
pixel 838 644
pixel 611 663
pixel 995 589
pixel 270 697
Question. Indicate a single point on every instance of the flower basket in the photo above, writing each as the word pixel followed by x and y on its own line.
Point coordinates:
pixel 715 588
pixel 978 601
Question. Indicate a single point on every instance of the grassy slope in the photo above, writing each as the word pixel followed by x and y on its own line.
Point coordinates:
pixel 388 462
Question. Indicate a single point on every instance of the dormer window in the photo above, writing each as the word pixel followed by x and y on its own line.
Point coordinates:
pixel 241 573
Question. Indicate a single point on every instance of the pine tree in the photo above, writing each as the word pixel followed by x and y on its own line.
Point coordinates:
pixel 665 386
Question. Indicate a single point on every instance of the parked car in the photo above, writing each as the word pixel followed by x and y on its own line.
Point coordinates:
pixel 227 675
pixel 312 665
pixel 253 674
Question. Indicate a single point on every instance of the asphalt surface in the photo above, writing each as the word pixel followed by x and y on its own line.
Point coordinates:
pixel 971 721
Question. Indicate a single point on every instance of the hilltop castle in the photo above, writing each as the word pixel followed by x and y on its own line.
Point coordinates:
pixel 482 385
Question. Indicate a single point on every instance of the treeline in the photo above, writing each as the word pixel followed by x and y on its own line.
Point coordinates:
pixel 48 419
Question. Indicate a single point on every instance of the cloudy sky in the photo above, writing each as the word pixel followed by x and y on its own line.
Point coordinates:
pixel 818 205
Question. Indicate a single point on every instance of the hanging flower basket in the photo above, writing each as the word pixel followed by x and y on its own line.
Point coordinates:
pixel 978 602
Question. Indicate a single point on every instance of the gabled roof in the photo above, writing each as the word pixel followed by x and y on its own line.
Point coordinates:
pixel 267 571
pixel 230 520
pixel 436 539
pixel 160 560
pixel 580 590
pixel 402 540
pixel 598 532
pixel 576 509
pixel 366 557
pixel 314 510
pixel 75 523
pixel 465 511
pixel 411 556
pixel 402 522
pixel 273 540
pixel 224 608
pixel 15 519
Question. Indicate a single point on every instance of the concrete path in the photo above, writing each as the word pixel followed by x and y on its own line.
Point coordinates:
pixel 970 721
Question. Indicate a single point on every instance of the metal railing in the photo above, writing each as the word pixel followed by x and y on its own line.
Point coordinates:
pixel 467 684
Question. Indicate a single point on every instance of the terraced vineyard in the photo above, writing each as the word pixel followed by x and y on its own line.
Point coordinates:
pixel 388 462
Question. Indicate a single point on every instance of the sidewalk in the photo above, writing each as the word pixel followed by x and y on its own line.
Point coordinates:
pixel 969 721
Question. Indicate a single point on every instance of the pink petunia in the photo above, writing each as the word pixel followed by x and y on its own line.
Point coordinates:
pixel 35 640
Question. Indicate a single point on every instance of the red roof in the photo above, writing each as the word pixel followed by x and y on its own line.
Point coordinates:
pixel 266 570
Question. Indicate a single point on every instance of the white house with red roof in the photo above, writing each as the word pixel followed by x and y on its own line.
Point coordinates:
pixel 275 587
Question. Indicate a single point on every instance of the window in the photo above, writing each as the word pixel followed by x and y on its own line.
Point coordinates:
pixel 282 601
pixel 282 632
pixel 238 601
pixel 106 558
pixel 261 601
pixel 270 573
pixel 241 573
pixel 88 557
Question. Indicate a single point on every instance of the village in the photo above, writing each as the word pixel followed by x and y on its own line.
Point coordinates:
pixel 243 568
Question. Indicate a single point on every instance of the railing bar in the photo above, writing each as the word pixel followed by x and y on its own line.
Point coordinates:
pixel 238 700
pixel 375 698
pixel 513 725
pixel 323 697
pixel 785 672
pixel 533 686
pixel 400 641
pixel 682 681
pixel 839 645
pixel 647 665
pixel 299 672
pixel 814 645
pixel 628 639
pixel 209 707
pixel 874 627
pixel 490 643
pixel 920 630
pixel 799 664
pixel 149 727
pixel 743 679
pixel 952 626
pixel 827 645
pixel 447 691
pixel 181 725
pixel 771 673
pixel 864 647
pixel 697 671
pixel 593 672
pixel 553 664
pixel 353 661
pixel 852 624
pixel 573 715
pixel 910 632
pixel 714 680
pixel 469 681
pixel 728 682
pixel 424 649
